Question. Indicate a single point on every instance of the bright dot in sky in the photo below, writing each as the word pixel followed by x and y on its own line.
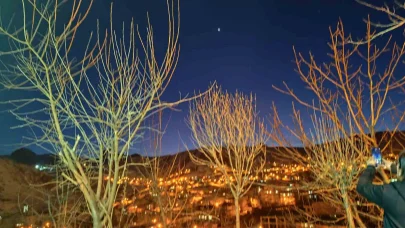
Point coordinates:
pixel 219 29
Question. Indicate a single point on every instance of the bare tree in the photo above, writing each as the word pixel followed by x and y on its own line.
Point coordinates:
pixel 161 170
pixel 335 160
pixel 168 183
pixel 353 100
pixel 66 205
pixel 167 190
pixel 363 92
pixel 167 193
pixel 230 136
pixel 90 124
pixel 396 21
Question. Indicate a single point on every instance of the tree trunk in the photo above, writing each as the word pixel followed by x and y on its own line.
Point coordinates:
pixel 163 215
pixel 163 218
pixel 237 214
pixel 97 222
pixel 348 209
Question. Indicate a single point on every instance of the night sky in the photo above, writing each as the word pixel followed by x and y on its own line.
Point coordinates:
pixel 252 51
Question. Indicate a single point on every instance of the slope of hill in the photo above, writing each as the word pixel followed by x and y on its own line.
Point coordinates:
pixel 16 191
pixel 15 177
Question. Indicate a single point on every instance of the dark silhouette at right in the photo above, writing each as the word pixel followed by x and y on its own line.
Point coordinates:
pixel 390 197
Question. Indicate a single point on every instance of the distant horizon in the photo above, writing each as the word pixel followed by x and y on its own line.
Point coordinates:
pixel 180 151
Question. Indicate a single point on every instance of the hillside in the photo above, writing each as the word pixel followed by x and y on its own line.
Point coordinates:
pixel 15 191
pixel 15 178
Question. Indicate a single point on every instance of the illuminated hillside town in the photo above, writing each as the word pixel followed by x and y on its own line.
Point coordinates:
pixel 203 191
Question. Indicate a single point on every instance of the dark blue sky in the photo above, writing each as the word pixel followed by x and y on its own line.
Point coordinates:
pixel 252 52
